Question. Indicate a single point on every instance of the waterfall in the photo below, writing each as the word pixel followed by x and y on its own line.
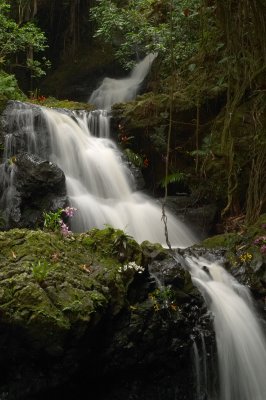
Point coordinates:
pixel 197 369
pixel 240 340
pixel 98 183
pixel 113 91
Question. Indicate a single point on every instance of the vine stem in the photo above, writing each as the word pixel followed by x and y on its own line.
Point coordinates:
pixel 171 97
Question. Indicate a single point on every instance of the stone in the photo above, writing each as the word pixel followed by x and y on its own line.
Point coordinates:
pixel 31 187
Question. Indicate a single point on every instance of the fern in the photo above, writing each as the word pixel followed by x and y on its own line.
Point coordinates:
pixel 134 158
pixel 176 177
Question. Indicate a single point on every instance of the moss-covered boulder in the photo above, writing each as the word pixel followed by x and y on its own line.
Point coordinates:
pixel 53 294
pixel 84 308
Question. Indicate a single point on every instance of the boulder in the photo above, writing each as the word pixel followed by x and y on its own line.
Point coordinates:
pixel 76 313
pixel 30 186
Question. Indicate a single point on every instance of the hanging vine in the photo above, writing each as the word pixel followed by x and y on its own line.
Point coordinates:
pixel 244 23
pixel 170 123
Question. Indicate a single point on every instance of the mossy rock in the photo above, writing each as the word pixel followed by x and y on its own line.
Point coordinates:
pixel 66 104
pixel 227 240
pixel 49 284
pixel 246 260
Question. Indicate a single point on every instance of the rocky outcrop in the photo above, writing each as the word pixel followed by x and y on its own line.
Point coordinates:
pixel 244 254
pixel 29 187
pixel 29 183
pixel 201 219
pixel 75 313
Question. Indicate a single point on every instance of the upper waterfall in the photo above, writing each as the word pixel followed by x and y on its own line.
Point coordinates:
pixel 113 91
pixel 99 184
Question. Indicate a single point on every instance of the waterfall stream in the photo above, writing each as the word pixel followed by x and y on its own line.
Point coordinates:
pixel 113 91
pixel 101 187
pixel 99 184
pixel 240 340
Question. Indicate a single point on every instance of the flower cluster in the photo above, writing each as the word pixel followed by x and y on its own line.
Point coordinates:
pixel 261 243
pixel 53 220
pixel 245 257
pixel 64 229
pixel 69 211
pixel 132 266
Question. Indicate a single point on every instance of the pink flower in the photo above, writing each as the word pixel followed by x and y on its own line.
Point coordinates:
pixel 260 240
pixel 263 249
pixel 64 229
pixel 69 211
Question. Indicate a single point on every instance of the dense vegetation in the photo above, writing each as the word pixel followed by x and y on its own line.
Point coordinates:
pixel 19 41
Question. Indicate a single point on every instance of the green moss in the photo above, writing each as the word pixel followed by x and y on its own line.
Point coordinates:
pixel 225 240
pixel 81 282
pixel 3 103
pixel 55 103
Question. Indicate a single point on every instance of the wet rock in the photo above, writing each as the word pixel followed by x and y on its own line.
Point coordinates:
pixel 71 316
pixel 31 186
pixel 201 219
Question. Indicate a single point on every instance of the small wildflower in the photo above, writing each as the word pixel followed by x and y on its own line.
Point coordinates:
pixel 64 229
pixel 263 249
pixel 261 242
pixel 246 257
pixel 146 162
pixel 69 211
pixel 132 266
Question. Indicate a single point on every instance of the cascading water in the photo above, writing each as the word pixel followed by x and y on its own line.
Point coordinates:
pixel 99 186
pixel 240 341
pixel 98 182
pixel 113 91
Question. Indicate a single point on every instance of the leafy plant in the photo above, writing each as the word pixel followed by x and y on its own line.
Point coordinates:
pixel 19 42
pixel 134 158
pixel 40 270
pixel 176 177
pixel 53 220
pixel 158 137
pixel 163 298
pixel 139 27
pixel 9 86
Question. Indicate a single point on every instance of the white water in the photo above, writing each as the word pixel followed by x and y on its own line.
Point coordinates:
pixel 197 370
pixel 240 340
pixel 98 183
pixel 113 91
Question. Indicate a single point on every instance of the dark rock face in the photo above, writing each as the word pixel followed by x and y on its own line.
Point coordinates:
pixel 82 325
pixel 201 219
pixel 29 183
pixel 31 186
pixel 150 347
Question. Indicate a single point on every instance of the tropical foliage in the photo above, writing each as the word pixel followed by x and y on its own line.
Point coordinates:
pixel 18 44
pixel 139 27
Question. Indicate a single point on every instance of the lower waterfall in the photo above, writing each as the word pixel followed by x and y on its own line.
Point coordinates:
pixel 241 344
